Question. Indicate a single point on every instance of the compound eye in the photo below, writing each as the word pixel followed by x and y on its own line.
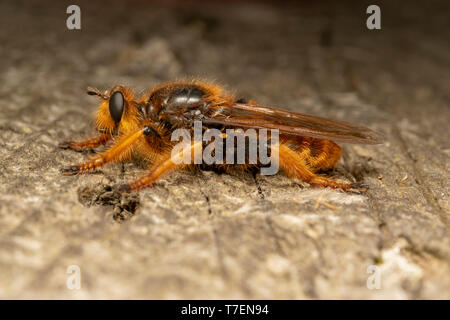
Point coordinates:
pixel 116 103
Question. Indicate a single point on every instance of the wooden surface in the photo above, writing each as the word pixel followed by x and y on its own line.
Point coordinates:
pixel 205 235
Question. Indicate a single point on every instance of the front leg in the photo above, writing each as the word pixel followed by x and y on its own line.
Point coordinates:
pixel 86 144
pixel 119 151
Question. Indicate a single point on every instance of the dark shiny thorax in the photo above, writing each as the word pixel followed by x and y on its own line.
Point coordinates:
pixel 173 97
pixel 175 105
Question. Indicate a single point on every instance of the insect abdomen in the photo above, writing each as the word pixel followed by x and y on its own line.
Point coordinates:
pixel 318 154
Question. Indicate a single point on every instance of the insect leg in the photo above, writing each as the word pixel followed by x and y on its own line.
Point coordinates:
pixel 170 163
pixel 295 165
pixel 86 144
pixel 118 151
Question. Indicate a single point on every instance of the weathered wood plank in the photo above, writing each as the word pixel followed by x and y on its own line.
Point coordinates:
pixel 210 235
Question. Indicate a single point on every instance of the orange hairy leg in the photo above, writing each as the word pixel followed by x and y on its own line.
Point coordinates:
pixel 303 166
pixel 114 153
pixel 85 144
pixel 168 164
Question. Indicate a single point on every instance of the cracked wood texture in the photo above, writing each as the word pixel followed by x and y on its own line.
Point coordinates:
pixel 203 234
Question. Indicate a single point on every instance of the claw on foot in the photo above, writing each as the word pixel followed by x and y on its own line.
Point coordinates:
pixel 70 171
pixel 65 144
pixel 359 186
pixel 69 145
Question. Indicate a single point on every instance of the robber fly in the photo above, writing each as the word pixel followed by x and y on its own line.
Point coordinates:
pixel 141 127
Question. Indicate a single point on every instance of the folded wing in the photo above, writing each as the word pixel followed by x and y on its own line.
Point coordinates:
pixel 292 123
